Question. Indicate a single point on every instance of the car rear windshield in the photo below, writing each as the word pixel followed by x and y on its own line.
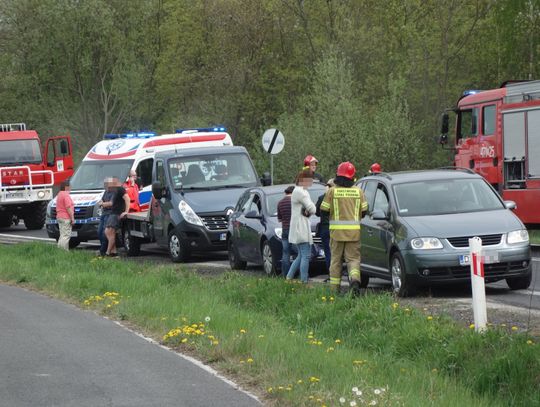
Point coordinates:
pixel 212 171
pixel 91 174
pixel 273 199
pixel 437 197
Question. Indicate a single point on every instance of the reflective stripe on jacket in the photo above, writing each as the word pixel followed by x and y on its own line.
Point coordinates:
pixel 345 206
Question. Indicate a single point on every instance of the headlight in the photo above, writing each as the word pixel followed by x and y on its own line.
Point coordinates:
pixel 517 236
pixel 278 232
pixel 49 208
pixel 189 214
pixel 426 243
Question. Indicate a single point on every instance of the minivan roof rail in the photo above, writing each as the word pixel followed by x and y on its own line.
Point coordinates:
pixel 463 169
pixel 382 174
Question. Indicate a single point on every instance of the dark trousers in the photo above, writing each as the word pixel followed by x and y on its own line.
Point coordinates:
pixel 325 238
pixel 101 234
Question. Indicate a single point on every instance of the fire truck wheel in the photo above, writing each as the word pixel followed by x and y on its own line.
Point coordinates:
pixel 178 249
pixel 519 283
pixel 34 218
pixel 6 220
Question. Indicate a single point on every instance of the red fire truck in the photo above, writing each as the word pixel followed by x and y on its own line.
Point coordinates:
pixel 28 173
pixel 497 134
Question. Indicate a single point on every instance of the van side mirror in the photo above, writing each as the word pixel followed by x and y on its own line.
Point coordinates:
pixel 443 138
pixel 379 214
pixel 253 215
pixel 64 147
pixel 266 179
pixel 157 189
pixel 510 205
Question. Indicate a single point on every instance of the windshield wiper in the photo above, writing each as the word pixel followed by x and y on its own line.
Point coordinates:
pixel 230 186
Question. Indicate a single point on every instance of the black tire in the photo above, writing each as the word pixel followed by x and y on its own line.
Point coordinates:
pixel 6 220
pixel 401 284
pixel 234 259
pixel 73 243
pixel 34 218
pixel 132 244
pixel 364 280
pixel 519 283
pixel 269 260
pixel 178 250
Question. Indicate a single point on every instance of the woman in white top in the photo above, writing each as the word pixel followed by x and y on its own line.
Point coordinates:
pixel 302 207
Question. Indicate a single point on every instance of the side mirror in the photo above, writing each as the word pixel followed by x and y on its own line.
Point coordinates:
pixel 443 138
pixel 510 205
pixel 253 215
pixel 378 214
pixel 266 179
pixel 157 189
pixel 64 147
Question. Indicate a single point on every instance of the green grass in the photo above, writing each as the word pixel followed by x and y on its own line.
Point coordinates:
pixel 273 336
pixel 534 236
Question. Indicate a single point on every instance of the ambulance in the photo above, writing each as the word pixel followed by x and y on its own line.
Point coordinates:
pixel 116 155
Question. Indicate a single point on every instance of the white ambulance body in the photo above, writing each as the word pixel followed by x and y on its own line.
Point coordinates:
pixel 115 156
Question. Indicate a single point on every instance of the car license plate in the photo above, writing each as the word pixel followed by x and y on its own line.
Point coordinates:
pixel 223 236
pixel 464 260
pixel 74 233
pixel 14 195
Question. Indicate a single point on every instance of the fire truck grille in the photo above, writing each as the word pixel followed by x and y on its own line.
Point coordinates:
pixel 463 241
pixel 216 222
pixel 81 212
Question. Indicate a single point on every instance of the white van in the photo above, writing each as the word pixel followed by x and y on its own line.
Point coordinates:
pixel 115 156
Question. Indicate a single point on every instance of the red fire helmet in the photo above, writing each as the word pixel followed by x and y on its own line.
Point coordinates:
pixel 309 159
pixel 346 170
pixel 376 167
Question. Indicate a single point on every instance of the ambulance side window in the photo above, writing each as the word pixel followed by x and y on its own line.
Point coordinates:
pixel 144 171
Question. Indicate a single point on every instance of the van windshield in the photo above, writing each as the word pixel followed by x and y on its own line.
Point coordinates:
pixel 91 174
pixel 448 196
pixel 212 171
pixel 20 152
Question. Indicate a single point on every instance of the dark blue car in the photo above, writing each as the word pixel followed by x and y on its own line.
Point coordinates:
pixel 254 233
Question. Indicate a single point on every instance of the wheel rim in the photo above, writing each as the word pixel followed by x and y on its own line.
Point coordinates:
pixel 174 246
pixel 126 240
pixel 396 274
pixel 267 259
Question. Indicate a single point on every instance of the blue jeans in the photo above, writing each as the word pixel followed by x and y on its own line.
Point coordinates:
pixel 325 238
pixel 286 253
pixel 302 262
pixel 101 234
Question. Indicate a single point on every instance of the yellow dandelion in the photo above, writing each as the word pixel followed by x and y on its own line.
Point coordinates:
pixel 429 318
pixel 330 349
pixel 319 343
pixel 471 326
pixel 250 360
pixel 242 361
pixel 269 390
pixel 434 370
pixel 337 341
pixel 514 328
pixel 261 336
pixel 184 340
pixel 331 298
pixel 529 342
pixel 280 387
pixel 243 331
pixel 314 379
pixel 323 298
pixel 299 381
pixel 215 342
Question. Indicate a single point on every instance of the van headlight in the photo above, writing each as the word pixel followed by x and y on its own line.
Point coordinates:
pixel 189 214
pixel 49 209
pixel 278 232
pixel 426 243
pixel 517 236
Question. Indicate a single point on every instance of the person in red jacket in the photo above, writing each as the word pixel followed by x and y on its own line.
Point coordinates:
pixel 132 190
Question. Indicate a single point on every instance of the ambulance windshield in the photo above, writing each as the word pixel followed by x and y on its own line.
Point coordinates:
pixel 91 174
pixel 212 171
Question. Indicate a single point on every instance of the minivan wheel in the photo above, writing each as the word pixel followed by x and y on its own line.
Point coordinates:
pixel 132 244
pixel 234 260
pixel 178 250
pixel 364 280
pixel 519 283
pixel 269 260
pixel 401 285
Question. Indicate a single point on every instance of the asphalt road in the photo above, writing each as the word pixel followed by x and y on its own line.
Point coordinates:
pixel 216 261
pixel 54 354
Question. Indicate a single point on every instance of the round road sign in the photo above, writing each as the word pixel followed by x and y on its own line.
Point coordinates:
pixel 273 141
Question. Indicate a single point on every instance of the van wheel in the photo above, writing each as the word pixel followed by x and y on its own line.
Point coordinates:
pixel 178 249
pixel 401 284
pixel 269 260
pixel 234 259
pixel 519 283
pixel 132 245
pixel 6 220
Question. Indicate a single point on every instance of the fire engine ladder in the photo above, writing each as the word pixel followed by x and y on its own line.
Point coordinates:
pixel 22 192
pixel 12 127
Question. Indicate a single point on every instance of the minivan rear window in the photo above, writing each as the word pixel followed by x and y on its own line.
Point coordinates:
pixel 437 197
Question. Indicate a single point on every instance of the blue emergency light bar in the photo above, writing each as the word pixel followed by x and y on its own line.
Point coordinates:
pixel 202 129
pixel 471 92
pixel 129 135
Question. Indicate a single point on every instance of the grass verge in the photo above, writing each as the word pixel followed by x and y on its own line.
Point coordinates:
pixel 534 236
pixel 294 345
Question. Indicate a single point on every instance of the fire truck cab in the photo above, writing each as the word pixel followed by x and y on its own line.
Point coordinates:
pixel 28 173
pixel 497 134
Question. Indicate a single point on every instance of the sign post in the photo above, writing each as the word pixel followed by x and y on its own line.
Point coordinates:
pixel 478 285
pixel 273 142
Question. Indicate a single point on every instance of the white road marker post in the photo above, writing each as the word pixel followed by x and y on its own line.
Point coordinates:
pixel 478 285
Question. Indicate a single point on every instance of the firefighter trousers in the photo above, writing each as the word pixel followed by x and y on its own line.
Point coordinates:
pixel 351 252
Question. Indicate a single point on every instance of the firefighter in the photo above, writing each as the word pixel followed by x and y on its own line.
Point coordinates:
pixel 346 205
pixel 375 168
pixel 311 163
